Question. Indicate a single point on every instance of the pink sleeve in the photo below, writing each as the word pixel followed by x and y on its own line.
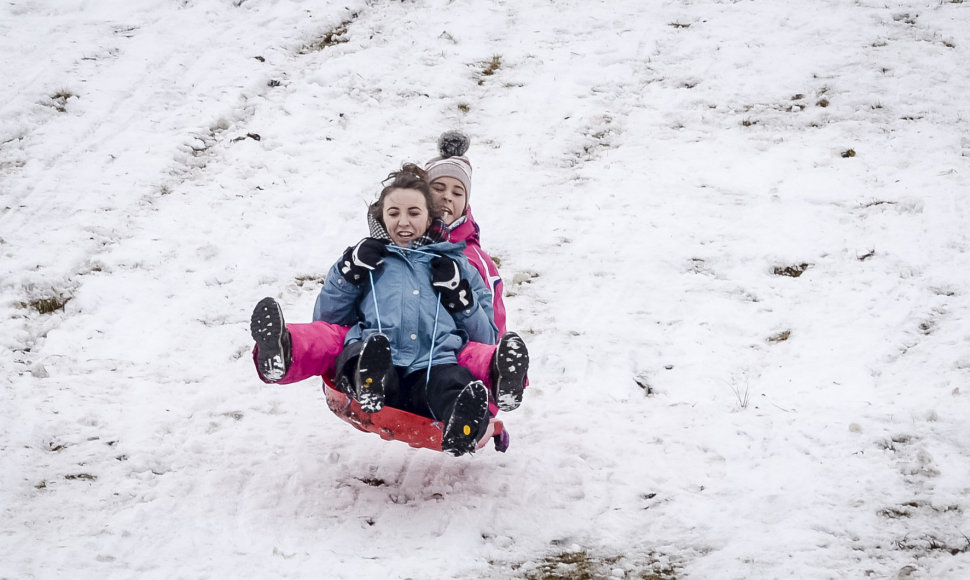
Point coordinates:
pixel 493 280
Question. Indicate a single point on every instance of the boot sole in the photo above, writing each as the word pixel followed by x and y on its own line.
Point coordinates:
pixel 467 420
pixel 266 327
pixel 512 365
pixel 371 375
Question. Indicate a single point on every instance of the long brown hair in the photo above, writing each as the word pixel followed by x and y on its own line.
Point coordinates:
pixel 410 176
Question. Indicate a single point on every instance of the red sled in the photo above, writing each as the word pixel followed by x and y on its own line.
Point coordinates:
pixel 397 425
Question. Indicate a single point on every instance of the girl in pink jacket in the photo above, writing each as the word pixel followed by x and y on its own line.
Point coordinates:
pixel 508 361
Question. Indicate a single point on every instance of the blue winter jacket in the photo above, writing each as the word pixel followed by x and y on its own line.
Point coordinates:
pixel 407 304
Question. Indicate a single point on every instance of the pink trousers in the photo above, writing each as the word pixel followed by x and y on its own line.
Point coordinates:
pixel 317 344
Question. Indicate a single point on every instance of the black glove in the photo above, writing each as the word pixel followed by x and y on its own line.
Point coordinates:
pixel 456 292
pixel 366 256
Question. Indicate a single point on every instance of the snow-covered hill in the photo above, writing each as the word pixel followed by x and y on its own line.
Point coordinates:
pixel 734 234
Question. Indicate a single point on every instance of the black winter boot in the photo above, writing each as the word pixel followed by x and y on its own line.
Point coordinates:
pixel 468 420
pixel 509 368
pixel 373 372
pixel 273 346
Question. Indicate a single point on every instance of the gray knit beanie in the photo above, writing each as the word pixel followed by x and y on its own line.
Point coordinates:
pixel 452 146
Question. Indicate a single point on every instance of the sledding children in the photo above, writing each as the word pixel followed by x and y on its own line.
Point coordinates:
pixel 508 361
pixel 411 301
pixel 301 351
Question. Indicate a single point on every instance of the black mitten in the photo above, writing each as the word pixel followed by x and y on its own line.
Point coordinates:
pixel 456 292
pixel 366 256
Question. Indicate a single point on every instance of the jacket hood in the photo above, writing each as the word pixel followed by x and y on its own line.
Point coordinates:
pixel 468 230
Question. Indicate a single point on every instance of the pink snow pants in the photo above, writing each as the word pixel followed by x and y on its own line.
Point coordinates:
pixel 317 344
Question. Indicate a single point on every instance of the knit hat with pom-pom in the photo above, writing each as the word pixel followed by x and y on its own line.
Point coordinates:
pixel 452 146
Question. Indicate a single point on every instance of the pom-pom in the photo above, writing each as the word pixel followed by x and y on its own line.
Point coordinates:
pixel 453 144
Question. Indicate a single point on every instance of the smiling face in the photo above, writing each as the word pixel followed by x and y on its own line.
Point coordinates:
pixel 450 198
pixel 405 215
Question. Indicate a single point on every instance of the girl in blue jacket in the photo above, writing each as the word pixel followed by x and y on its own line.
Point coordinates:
pixel 412 301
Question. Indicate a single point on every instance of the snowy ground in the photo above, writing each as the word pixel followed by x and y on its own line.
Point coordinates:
pixel 651 175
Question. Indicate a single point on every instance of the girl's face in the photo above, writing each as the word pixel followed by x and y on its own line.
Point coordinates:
pixel 406 215
pixel 450 198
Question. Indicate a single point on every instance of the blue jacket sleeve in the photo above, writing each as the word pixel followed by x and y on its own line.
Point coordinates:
pixel 337 301
pixel 477 321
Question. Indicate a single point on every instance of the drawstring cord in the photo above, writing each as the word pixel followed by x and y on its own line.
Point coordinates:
pixel 373 293
pixel 427 376
pixel 434 331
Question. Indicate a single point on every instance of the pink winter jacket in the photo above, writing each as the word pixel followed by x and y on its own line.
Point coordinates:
pixel 468 232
